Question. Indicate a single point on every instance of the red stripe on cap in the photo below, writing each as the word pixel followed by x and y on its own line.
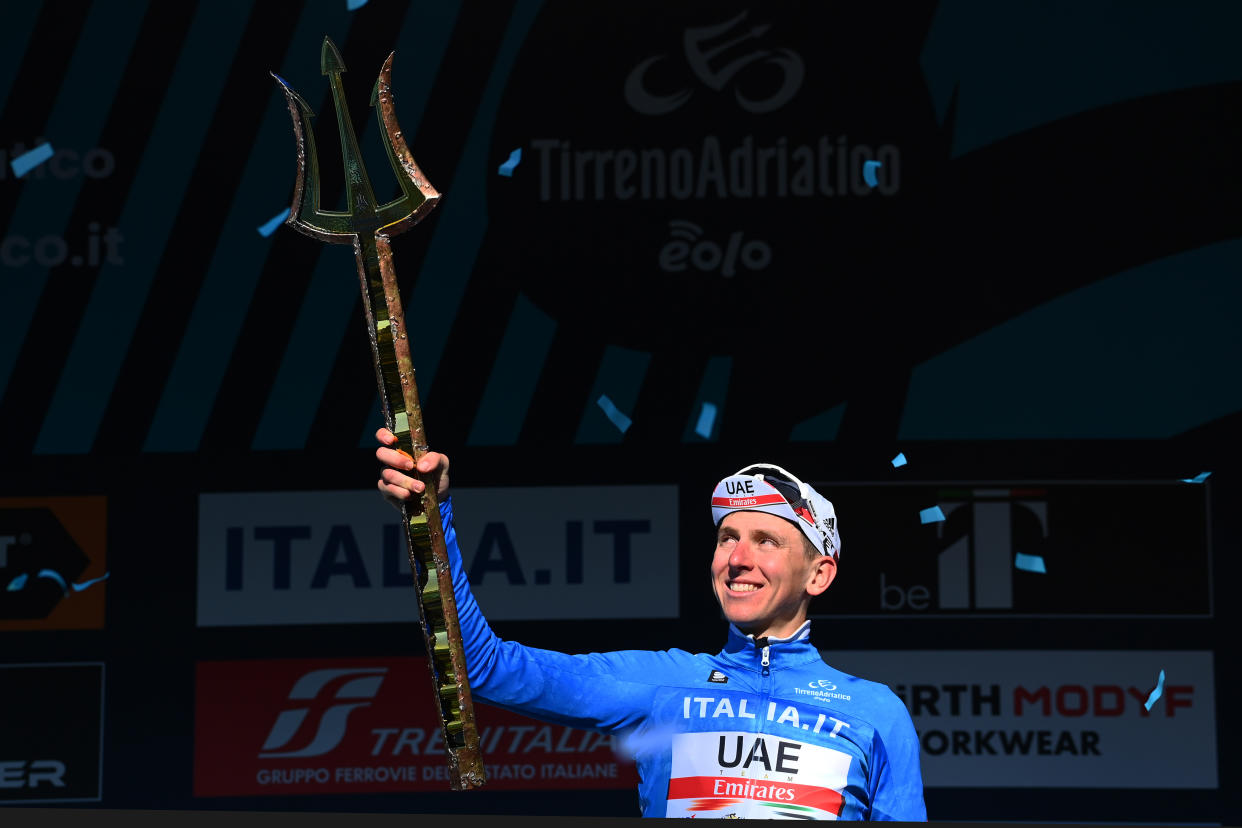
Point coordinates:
pixel 741 502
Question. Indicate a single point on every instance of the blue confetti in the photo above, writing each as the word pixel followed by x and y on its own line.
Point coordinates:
pixel 633 743
pixel 899 460
pixel 19 582
pixel 618 419
pixel 354 5
pixel 54 576
pixel 1157 693
pixel 707 418
pixel 515 158
pixel 90 583
pixel 1030 563
pixel 27 161
pixel 869 168
pixel 1198 478
pixel 269 227
pixel 932 515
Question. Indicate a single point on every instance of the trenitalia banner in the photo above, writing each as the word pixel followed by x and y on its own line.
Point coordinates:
pixel 532 553
pixel 1053 719
pixel 367 725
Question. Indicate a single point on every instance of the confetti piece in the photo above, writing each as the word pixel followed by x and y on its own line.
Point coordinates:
pixel 631 744
pixel 515 157
pixel 1030 563
pixel 19 582
pixel 1155 694
pixel 899 460
pixel 618 419
pixel 1198 478
pixel 53 576
pixel 27 161
pixel 90 583
pixel 269 227
pixel 353 5
pixel 869 168
pixel 932 515
pixel 707 418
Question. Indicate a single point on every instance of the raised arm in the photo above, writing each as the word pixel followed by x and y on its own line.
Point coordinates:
pixel 544 684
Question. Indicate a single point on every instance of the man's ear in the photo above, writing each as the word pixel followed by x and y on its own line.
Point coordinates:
pixel 823 572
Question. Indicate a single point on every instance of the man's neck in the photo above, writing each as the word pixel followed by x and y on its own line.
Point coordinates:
pixel 780 632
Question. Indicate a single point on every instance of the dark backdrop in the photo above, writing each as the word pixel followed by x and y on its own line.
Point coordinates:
pixel 1042 286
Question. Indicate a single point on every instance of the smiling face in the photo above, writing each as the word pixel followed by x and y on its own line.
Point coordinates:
pixel 763 577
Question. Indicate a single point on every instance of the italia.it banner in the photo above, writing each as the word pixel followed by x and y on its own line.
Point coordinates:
pixel 368 725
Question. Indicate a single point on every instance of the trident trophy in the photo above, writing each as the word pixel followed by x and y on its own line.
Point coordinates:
pixel 368 227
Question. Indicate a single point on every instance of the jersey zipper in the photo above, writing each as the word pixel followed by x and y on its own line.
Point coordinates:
pixel 765 681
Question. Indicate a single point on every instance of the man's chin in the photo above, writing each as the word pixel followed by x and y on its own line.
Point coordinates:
pixel 738 618
pixel 738 612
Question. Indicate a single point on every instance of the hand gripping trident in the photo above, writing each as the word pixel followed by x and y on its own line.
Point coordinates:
pixel 368 227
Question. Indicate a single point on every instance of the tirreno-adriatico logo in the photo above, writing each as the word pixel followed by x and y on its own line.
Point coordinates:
pixel 821 689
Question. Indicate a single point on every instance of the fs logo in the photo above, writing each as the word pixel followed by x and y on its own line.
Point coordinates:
pixel 322 689
pixel 700 56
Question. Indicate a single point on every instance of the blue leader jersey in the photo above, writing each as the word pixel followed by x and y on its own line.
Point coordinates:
pixel 762 729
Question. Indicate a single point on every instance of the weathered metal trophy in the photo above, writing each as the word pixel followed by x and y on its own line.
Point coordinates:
pixel 368 227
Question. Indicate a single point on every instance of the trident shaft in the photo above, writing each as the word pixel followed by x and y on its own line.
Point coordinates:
pixel 368 227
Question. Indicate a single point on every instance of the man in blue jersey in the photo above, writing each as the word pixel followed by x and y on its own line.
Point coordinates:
pixel 762 729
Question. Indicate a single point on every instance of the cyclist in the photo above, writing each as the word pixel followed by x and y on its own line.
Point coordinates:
pixel 762 729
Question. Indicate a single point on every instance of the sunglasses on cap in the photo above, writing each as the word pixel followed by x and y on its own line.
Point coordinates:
pixel 791 488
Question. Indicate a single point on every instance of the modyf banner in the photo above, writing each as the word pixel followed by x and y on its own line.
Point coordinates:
pixel 51 732
pixel 1022 549
pixel 1053 719
pixel 539 553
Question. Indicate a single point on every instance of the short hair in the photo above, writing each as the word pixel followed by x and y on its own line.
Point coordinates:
pixel 811 551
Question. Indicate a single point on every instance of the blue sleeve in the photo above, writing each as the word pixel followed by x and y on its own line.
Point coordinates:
pixel 600 691
pixel 897 780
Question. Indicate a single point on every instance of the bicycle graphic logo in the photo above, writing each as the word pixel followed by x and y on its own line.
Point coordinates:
pixel 700 56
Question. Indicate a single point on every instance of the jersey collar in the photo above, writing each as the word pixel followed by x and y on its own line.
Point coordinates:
pixel 782 652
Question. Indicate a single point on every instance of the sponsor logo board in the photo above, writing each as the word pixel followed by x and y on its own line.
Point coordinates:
pixel 368 725
pixel 694 137
pixel 47 544
pixel 51 732
pixel 1053 719
pixel 1097 542
pixel 531 553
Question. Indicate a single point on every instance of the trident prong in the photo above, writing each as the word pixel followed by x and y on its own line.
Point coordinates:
pixel 368 227
pixel 359 194
pixel 361 216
